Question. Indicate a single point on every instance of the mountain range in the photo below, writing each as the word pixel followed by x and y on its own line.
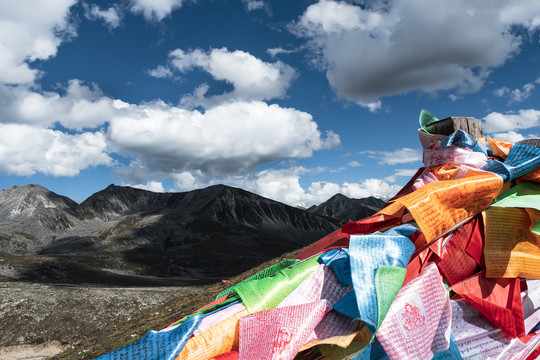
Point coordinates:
pixel 123 235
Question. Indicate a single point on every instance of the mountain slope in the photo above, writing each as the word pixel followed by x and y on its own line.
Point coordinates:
pixel 121 233
pixel 33 202
pixel 344 208
pixel 121 200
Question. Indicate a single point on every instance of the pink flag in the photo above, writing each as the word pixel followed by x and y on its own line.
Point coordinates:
pixel 417 325
pixel 323 284
pixel 278 334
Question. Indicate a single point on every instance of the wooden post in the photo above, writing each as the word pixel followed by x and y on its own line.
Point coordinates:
pixel 447 126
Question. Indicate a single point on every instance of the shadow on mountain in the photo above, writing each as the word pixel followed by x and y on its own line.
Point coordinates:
pixel 76 270
pixel 211 249
pixel 131 237
pixel 71 244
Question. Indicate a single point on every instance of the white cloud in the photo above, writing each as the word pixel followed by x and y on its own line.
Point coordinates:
pixel 454 97
pixel 252 78
pixel 253 4
pixel 273 52
pixel 81 106
pixel 337 17
pixel 161 72
pixel 516 95
pixel 400 156
pixel 30 31
pixel 405 172
pixel 281 185
pixel 354 164
pixel 373 106
pixel 511 136
pixel 401 173
pixel 155 10
pixel 389 48
pixel 155 186
pixel 339 169
pixel 190 147
pixel 524 119
pixel 525 12
pixel 189 180
pixel 111 16
pixel 176 140
pixel 284 185
pixel 500 92
pixel 369 187
pixel 49 152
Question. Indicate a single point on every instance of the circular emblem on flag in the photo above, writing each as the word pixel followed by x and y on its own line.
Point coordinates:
pixel 412 317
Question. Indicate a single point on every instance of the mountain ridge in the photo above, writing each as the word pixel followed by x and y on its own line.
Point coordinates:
pixel 350 209
pixel 215 231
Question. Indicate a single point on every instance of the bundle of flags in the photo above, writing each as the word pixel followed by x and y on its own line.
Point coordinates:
pixel 448 269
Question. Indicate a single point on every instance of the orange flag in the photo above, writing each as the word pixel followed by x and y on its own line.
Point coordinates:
pixel 437 207
pixel 511 249
pixel 221 338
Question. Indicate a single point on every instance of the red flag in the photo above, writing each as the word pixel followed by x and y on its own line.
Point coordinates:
pixel 498 299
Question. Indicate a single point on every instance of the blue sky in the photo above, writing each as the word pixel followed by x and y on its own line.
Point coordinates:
pixel 293 100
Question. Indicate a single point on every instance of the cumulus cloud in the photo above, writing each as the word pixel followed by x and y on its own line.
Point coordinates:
pixel 155 186
pixel 29 33
pixel 401 173
pixel 189 147
pixel 155 10
pixel 49 152
pixel 252 5
pixel 192 179
pixel 251 78
pixel 388 48
pixel 400 156
pixel 497 122
pixel 511 136
pixel 284 185
pixel 335 17
pixel 516 95
pixel 161 72
pixel 354 164
pixel 82 106
pixel 174 139
pixel 281 185
pixel 526 13
pixel 370 187
pixel 111 16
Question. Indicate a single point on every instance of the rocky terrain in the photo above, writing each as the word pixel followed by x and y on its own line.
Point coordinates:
pixel 342 207
pixel 34 313
pixel 128 236
pixel 38 320
pixel 68 269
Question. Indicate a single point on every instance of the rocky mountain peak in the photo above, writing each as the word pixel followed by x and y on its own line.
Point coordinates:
pixel 23 202
pixel 121 200
pixel 340 206
pixel 187 234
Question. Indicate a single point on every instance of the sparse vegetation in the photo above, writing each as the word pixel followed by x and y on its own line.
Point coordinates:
pixel 125 237
pixel 114 337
